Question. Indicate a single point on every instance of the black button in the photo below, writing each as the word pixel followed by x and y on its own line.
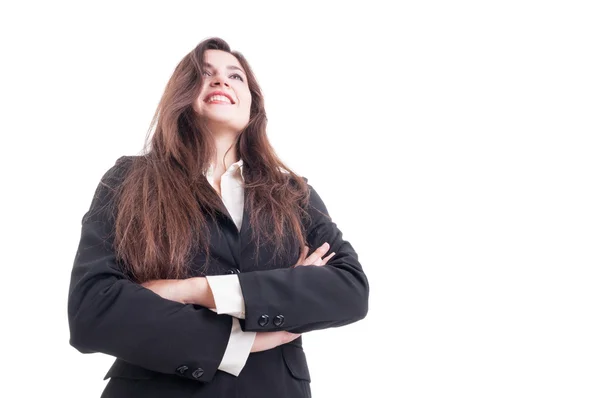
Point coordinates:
pixel 198 373
pixel 182 369
pixel 234 271
pixel 278 321
pixel 263 320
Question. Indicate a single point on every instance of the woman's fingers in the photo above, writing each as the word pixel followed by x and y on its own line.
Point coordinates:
pixel 328 258
pixel 316 255
pixel 287 337
pixel 268 340
pixel 302 255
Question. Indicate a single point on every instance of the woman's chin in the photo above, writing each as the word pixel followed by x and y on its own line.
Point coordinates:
pixel 221 124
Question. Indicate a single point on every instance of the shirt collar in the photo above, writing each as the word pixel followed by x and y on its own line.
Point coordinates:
pixel 233 168
pixel 239 166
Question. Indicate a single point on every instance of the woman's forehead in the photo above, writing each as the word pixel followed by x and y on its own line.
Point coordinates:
pixel 218 58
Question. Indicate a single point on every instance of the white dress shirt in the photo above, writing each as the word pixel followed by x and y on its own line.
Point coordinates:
pixel 226 288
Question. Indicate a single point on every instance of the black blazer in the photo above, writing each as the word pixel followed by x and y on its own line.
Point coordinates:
pixel 167 349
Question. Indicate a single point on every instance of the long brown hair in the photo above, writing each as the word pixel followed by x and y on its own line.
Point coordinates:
pixel 165 200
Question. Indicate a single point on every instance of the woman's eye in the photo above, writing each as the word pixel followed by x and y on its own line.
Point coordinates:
pixel 235 75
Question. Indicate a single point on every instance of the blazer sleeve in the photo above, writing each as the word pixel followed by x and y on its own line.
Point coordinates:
pixel 305 298
pixel 110 314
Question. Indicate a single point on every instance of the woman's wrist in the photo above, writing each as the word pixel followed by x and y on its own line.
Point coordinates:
pixel 199 292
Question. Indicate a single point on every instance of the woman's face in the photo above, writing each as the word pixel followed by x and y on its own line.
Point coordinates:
pixel 225 99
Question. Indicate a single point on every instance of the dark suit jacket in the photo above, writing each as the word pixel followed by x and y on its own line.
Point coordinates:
pixel 168 349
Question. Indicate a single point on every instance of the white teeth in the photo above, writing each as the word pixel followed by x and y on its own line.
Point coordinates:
pixel 218 98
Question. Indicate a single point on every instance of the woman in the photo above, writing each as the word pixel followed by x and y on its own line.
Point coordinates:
pixel 193 267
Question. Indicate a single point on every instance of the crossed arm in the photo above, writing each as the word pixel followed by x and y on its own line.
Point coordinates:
pixel 222 294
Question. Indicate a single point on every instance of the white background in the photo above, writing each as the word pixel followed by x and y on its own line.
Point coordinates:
pixel 454 143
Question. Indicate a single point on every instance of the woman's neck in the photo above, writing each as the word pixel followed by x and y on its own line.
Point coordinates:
pixel 224 154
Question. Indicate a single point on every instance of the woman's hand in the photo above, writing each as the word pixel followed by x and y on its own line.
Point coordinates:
pixel 170 289
pixel 315 257
pixel 187 291
pixel 268 340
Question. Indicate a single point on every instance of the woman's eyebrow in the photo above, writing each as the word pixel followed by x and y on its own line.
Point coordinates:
pixel 228 66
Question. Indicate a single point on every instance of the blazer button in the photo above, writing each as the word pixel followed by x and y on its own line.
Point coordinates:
pixel 263 320
pixel 182 369
pixel 278 321
pixel 198 373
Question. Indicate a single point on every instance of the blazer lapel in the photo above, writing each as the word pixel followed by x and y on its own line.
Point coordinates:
pixel 238 240
pixel 245 234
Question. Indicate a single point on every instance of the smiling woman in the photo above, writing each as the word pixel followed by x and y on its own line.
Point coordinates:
pixel 193 268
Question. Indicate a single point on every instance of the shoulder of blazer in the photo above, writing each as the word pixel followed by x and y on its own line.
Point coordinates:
pixel 117 172
pixel 108 187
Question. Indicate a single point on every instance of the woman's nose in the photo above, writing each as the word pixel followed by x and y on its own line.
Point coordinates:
pixel 218 81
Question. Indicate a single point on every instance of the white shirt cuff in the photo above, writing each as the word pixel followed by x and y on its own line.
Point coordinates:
pixel 227 293
pixel 238 349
